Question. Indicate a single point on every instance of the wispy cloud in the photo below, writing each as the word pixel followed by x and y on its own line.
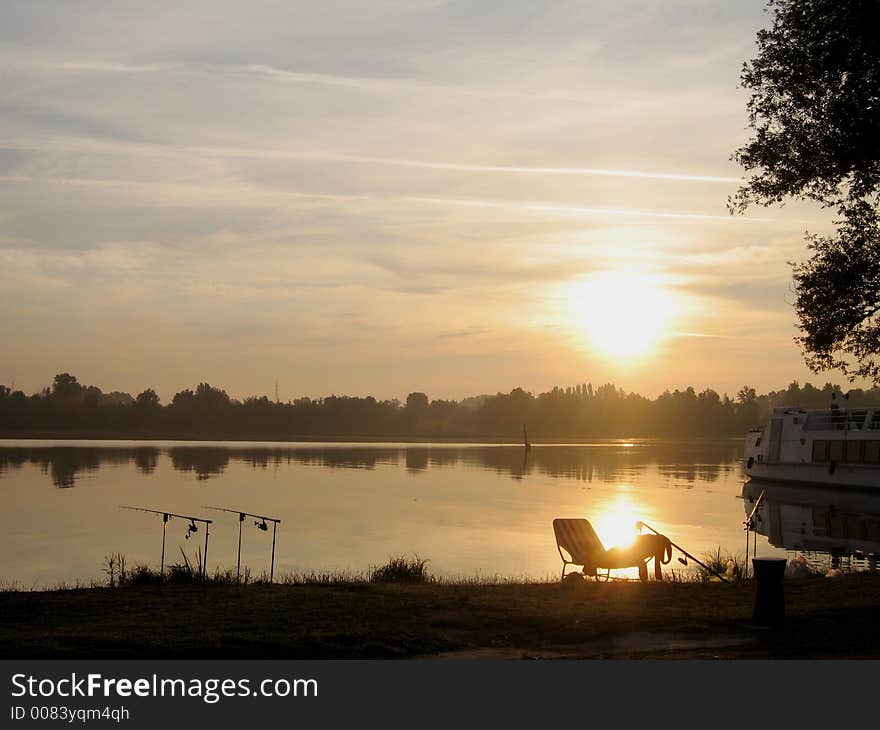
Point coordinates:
pixel 267 72
pixel 710 335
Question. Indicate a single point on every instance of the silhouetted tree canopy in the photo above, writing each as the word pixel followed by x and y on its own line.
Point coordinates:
pixel 815 112
pixel 417 401
pixel 148 399
pixel 572 412
pixel 838 297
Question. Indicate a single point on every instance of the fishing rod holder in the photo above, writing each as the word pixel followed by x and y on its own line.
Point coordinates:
pixel 261 523
pixel 640 525
pixel 749 526
pixel 190 529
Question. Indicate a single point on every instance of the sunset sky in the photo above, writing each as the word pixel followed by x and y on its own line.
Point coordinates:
pixel 380 197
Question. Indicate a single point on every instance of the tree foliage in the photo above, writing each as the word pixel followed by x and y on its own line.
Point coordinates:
pixel 815 113
pixel 571 412
pixel 839 297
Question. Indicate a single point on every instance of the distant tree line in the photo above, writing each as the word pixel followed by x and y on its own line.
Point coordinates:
pixel 68 407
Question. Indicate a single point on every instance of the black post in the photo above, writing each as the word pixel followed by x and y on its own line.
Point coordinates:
pixel 769 596
pixel 205 565
pixel 272 566
pixel 164 524
pixel 238 565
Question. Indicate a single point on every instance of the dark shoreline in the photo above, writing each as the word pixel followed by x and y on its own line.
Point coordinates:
pixel 346 438
pixel 825 618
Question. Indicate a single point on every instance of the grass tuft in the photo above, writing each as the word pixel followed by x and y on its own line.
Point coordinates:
pixel 400 569
pixel 731 565
pixel 115 568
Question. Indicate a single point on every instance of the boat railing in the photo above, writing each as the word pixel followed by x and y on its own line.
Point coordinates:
pixel 837 419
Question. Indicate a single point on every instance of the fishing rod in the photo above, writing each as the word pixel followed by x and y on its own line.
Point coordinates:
pixel 749 523
pixel 640 525
pixel 260 526
pixel 190 528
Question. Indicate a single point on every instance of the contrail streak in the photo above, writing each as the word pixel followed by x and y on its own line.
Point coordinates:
pixel 267 154
pixel 275 74
pixel 249 195
pixel 578 209
pixel 520 169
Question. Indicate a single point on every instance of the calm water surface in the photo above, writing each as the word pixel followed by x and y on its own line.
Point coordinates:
pixel 469 509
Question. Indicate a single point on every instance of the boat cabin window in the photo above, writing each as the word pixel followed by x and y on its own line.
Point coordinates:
pixel 835 450
pixel 846 452
pixel 853 451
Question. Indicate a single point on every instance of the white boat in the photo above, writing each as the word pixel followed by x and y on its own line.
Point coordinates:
pixel 833 447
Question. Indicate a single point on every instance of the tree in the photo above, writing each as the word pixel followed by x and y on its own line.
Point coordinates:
pixel 210 398
pixel 66 387
pixel 148 399
pixel 417 402
pixel 815 112
pixel 183 399
pixel 838 297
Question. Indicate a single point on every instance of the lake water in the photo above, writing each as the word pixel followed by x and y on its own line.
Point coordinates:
pixel 469 509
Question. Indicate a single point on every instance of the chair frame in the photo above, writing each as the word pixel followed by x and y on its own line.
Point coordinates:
pixel 599 578
pixel 643 566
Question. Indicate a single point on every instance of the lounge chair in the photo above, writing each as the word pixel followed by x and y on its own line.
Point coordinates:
pixel 577 538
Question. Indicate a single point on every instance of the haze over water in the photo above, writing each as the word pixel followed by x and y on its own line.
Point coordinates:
pixel 469 509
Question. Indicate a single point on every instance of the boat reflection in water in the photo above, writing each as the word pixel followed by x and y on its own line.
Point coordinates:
pixel 831 527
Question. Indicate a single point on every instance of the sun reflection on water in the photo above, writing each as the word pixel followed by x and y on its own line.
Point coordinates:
pixel 615 521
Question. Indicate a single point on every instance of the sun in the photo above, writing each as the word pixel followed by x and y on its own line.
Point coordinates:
pixel 623 315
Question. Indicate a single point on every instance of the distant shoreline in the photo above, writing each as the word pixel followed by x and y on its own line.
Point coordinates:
pixel 70 409
pixel 341 438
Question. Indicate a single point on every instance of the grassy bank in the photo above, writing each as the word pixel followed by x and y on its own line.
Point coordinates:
pixel 363 619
